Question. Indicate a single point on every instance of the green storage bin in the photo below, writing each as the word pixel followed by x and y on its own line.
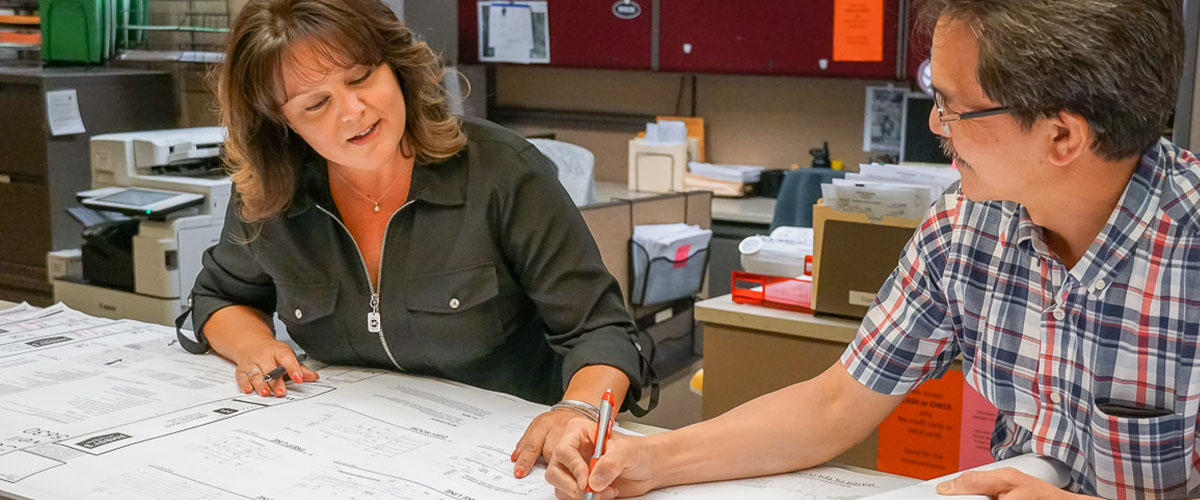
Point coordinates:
pixel 73 30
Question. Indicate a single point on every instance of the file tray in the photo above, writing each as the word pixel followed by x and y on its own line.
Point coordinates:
pixel 662 279
pixel 772 291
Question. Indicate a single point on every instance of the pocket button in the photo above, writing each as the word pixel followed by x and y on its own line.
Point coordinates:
pixel 454 303
pixel 298 313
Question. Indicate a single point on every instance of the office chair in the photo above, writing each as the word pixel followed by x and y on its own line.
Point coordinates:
pixel 800 190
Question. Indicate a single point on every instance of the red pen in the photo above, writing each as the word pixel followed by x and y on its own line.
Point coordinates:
pixel 605 422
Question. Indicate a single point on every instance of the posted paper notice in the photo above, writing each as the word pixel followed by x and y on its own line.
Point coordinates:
pixel 62 110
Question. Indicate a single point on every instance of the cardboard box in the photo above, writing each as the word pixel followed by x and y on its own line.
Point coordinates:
pixel 852 257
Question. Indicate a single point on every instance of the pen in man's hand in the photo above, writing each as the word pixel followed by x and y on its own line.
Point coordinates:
pixel 604 425
pixel 280 370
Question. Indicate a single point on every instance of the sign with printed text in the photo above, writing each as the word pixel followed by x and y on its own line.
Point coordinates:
pixel 942 427
pixel 858 30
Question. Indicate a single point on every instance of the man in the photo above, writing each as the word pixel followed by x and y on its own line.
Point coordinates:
pixel 1065 269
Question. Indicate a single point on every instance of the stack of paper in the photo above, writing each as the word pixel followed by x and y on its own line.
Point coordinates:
pixel 674 241
pixel 735 173
pixel 722 180
pixel 889 190
pixel 666 132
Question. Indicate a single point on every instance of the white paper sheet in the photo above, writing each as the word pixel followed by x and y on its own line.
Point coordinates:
pixel 667 240
pixel 516 32
pixel 103 409
pixel 62 111
pixel 877 200
pixel 1046 469
pixel 818 483
pixel 733 173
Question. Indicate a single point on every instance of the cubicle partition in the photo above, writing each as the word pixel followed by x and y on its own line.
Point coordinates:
pixel 670 324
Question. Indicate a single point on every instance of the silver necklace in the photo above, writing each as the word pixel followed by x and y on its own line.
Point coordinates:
pixel 356 191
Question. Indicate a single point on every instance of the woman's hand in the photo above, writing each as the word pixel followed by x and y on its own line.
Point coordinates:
pixel 259 358
pixel 542 435
pixel 623 471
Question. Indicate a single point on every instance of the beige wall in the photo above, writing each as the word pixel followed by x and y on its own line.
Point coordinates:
pixel 771 121
pixel 196 91
pixel 757 120
pixel 197 102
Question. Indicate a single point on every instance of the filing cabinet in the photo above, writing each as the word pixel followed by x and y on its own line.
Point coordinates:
pixel 40 173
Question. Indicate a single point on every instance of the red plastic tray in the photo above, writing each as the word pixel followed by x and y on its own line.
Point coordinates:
pixel 772 291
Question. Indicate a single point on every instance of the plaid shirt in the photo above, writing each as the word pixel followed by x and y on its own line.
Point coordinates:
pixel 1060 352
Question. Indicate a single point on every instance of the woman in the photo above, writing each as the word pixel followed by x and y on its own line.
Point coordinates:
pixel 388 233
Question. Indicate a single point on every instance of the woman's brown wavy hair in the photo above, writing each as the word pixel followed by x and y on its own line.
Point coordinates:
pixel 264 157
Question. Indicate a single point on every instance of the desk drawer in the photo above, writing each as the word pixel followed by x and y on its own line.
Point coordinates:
pixel 25 225
pixel 22 130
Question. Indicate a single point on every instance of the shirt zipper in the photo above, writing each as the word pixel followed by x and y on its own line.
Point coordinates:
pixel 373 316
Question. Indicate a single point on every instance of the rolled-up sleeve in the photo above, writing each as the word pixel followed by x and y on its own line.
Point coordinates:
pixel 230 275
pixel 549 246
pixel 907 336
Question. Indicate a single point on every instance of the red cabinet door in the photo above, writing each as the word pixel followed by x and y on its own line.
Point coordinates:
pixel 583 33
pixel 784 37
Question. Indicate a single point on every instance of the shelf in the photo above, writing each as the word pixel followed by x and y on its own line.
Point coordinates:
pixel 21 46
pixel 194 29
pixel 190 56
pixel 34 38
pixel 22 20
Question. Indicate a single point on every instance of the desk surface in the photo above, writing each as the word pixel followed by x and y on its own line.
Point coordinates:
pixel 723 310
pixel 753 210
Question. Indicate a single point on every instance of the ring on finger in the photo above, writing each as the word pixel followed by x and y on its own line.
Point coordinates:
pixel 253 371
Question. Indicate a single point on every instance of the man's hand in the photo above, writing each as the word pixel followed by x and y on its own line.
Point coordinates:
pixel 623 471
pixel 540 438
pixel 1004 484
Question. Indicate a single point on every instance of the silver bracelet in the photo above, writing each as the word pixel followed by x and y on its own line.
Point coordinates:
pixel 586 409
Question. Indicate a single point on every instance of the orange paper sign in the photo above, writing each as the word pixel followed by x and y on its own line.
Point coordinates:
pixel 942 426
pixel 920 438
pixel 858 30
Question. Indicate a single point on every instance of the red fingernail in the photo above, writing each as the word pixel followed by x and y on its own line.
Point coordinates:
pixel 264 392
pixel 279 393
pixel 519 472
pixel 247 389
pixel 297 378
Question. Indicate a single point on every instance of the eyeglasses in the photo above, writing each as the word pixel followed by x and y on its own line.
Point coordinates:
pixel 940 102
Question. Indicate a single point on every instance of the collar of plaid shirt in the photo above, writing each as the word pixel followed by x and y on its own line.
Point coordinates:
pixel 1053 348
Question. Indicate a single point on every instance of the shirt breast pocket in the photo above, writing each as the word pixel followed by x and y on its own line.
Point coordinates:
pixel 455 313
pixel 1138 453
pixel 306 308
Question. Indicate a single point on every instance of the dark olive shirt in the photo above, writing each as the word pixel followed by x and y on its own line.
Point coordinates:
pixel 488 276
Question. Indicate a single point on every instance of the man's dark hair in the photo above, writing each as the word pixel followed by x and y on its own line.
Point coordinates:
pixel 1116 63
